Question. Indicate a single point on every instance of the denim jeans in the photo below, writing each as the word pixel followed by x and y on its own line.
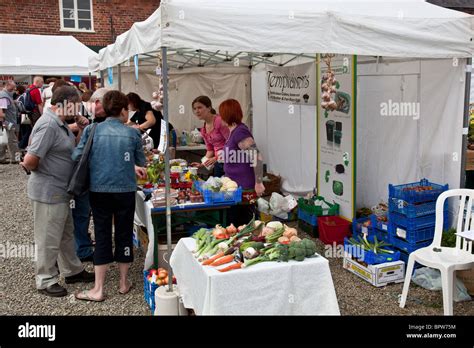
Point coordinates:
pixel 81 216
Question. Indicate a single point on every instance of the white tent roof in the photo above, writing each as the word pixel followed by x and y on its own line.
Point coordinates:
pixel 22 54
pixel 403 28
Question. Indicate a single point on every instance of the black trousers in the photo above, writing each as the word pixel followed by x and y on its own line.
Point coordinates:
pixel 120 206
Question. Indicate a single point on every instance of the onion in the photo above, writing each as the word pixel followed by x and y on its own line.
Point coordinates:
pixel 231 229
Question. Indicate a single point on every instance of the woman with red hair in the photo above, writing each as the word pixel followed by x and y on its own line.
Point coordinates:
pixel 242 161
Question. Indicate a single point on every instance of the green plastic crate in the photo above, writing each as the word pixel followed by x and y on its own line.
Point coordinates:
pixel 317 210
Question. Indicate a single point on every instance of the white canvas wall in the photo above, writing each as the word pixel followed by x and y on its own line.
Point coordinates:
pixel 389 149
pixel 287 141
pixel 401 149
pixel 184 86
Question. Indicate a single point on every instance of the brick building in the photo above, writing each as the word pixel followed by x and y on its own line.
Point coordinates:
pixel 95 23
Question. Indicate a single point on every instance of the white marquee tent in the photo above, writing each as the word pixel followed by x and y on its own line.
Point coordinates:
pixel 22 54
pixel 422 52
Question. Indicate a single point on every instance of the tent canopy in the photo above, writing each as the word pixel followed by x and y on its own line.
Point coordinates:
pixel 22 54
pixel 402 28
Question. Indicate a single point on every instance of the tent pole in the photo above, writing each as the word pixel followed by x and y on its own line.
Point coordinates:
pixel 164 75
pixel 102 81
pixel 119 80
pixel 467 96
pixel 90 81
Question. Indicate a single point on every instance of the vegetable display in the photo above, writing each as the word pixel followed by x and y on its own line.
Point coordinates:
pixel 237 248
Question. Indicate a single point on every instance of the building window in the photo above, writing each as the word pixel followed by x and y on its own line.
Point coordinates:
pixel 76 15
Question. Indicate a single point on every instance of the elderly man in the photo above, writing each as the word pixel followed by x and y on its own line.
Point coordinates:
pixel 9 118
pixel 82 210
pixel 35 92
pixel 49 159
pixel 94 105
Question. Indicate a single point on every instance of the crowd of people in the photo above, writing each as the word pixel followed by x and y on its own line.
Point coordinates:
pixel 55 140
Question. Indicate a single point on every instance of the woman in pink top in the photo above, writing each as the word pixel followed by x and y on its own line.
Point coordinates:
pixel 214 132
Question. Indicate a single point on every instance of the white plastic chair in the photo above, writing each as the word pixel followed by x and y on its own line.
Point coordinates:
pixel 447 260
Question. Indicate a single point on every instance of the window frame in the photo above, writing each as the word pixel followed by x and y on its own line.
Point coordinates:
pixel 76 19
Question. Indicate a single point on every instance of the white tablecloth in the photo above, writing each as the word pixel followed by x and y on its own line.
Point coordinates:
pixel 143 218
pixel 268 288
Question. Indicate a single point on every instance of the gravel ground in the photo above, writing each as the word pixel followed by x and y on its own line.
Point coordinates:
pixel 19 296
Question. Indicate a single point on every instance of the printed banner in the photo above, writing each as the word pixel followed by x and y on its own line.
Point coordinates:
pixel 19 79
pixel 292 84
pixel 336 131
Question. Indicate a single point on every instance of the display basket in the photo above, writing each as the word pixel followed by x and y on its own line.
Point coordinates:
pixel 307 217
pixel 413 210
pixel 405 246
pixel 333 229
pixel 211 197
pixel 309 229
pixel 331 210
pixel 416 192
pixel 370 257
pixel 273 185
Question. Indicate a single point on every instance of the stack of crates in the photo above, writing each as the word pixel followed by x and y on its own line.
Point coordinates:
pixel 308 213
pixel 373 226
pixel 412 215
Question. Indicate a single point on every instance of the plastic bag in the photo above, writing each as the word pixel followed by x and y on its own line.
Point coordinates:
pixel 430 278
pixel 277 204
pixel 3 137
pixel 263 206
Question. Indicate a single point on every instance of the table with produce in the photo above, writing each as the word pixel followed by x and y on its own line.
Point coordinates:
pixel 256 268
pixel 193 201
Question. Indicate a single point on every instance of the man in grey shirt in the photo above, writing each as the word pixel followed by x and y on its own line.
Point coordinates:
pixel 49 160
pixel 8 116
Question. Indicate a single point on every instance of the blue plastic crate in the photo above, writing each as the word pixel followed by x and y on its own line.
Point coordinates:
pixel 414 223
pixel 381 235
pixel 404 258
pixel 310 229
pixel 413 210
pixel 211 197
pixel 358 225
pixel 411 196
pixel 411 236
pixel 307 217
pixel 378 224
pixel 405 246
pixel 369 257
pixel 149 291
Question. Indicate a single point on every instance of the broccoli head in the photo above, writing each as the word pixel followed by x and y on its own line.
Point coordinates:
pixel 299 250
pixel 296 251
pixel 309 246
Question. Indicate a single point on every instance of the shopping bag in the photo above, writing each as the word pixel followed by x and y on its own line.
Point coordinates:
pixel 79 182
pixel 3 137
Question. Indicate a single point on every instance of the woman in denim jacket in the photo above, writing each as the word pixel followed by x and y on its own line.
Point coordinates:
pixel 115 157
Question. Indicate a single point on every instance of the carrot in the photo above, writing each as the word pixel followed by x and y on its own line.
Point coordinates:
pixel 231 267
pixel 212 259
pixel 223 260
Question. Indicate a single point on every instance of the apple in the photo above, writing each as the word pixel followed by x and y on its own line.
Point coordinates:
pixel 162 274
pixel 153 271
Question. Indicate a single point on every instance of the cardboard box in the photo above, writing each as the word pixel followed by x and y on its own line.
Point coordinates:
pixel 467 277
pixel 140 237
pixel 469 159
pixel 377 275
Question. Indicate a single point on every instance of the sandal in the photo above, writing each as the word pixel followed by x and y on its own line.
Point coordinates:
pixel 84 296
pixel 126 292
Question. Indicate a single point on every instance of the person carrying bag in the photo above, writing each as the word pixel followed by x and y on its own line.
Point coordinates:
pixel 80 180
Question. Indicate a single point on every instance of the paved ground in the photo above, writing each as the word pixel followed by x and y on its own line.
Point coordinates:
pixel 19 297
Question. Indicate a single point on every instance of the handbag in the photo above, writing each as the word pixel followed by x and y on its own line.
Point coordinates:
pixel 80 179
